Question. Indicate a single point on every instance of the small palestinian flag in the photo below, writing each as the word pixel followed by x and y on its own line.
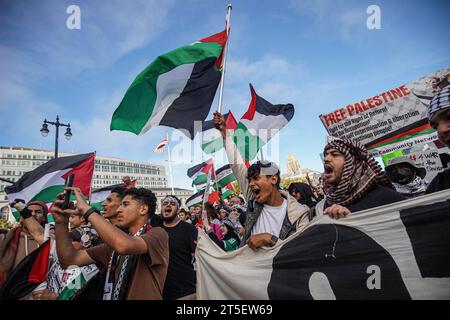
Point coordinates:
pixel 161 146
pixel 224 176
pixel 227 191
pixel 212 140
pixel 98 196
pixel 27 275
pixel 213 197
pixel 261 121
pixel 175 90
pixel 199 173
pixel 195 199
pixel 46 181
pixel 77 281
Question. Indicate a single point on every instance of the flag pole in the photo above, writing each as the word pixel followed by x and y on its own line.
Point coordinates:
pixel 261 154
pixel 224 62
pixel 170 163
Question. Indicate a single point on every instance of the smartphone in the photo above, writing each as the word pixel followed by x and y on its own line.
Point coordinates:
pixel 67 193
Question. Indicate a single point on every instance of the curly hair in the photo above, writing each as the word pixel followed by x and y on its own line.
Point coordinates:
pixel 144 196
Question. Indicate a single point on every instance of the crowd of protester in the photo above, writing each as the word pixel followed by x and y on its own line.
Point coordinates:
pixel 138 253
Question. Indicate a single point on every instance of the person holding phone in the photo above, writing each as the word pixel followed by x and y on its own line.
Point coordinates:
pixel 135 260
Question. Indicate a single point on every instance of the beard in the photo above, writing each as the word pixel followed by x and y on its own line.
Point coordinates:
pixel 169 219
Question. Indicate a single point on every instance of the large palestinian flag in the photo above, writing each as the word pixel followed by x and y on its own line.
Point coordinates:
pixel 199 173
pixel 212 140
pixel 393 252
pixel 46 181
pixel 175 90
pixel 261 121
pixel 28 274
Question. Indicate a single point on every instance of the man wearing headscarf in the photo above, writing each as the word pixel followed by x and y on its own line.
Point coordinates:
pixel 439 118
pixel 353 180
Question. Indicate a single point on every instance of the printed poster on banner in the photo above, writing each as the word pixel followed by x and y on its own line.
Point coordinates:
pixel 391 120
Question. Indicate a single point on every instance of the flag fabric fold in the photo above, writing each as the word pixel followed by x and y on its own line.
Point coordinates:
pixel 46 181
pixel 257 126
pixel 199 173
pixel 28 274
pixel 224 176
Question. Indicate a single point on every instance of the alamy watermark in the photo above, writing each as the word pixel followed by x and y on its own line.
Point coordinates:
pixel 245 143
pixel 374 20
pixel 74 19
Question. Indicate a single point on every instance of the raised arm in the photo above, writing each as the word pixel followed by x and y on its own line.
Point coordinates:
pixel 67 254
pixel 31 224
pixel 235 159
pixel 118 240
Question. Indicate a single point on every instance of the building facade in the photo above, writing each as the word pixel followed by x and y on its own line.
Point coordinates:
pixel 16 161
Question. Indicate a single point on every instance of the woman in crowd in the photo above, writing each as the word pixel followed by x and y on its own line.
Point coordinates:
pixel 230 241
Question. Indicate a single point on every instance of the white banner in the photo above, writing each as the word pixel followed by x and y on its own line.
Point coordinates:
pixel 396 251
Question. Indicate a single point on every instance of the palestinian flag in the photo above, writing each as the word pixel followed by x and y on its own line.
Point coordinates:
pixel 100 195
pixel 78 281
pixel 27 275
pixel 212 140
pixel 414 130
pixel 213 197
pixel 175 90
pixel 227 191
pixel 261 121
pixel 195 199
pixel 224 176
pixel 199 173
pixel 46 181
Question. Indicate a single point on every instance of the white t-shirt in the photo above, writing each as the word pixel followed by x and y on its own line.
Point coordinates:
pixel 271 219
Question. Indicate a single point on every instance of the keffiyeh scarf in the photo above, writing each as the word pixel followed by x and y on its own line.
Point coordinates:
pixel 360 173
pixel 119 290
pixel 416 187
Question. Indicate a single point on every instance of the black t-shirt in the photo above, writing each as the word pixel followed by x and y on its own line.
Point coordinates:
pixel 440 182
pixel 180 280
pixel 378 196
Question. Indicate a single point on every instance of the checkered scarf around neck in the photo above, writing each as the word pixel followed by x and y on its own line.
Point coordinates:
pixel 360 173
pixel 121 286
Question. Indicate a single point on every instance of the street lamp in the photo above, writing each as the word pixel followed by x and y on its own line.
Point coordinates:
pixel 44 131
